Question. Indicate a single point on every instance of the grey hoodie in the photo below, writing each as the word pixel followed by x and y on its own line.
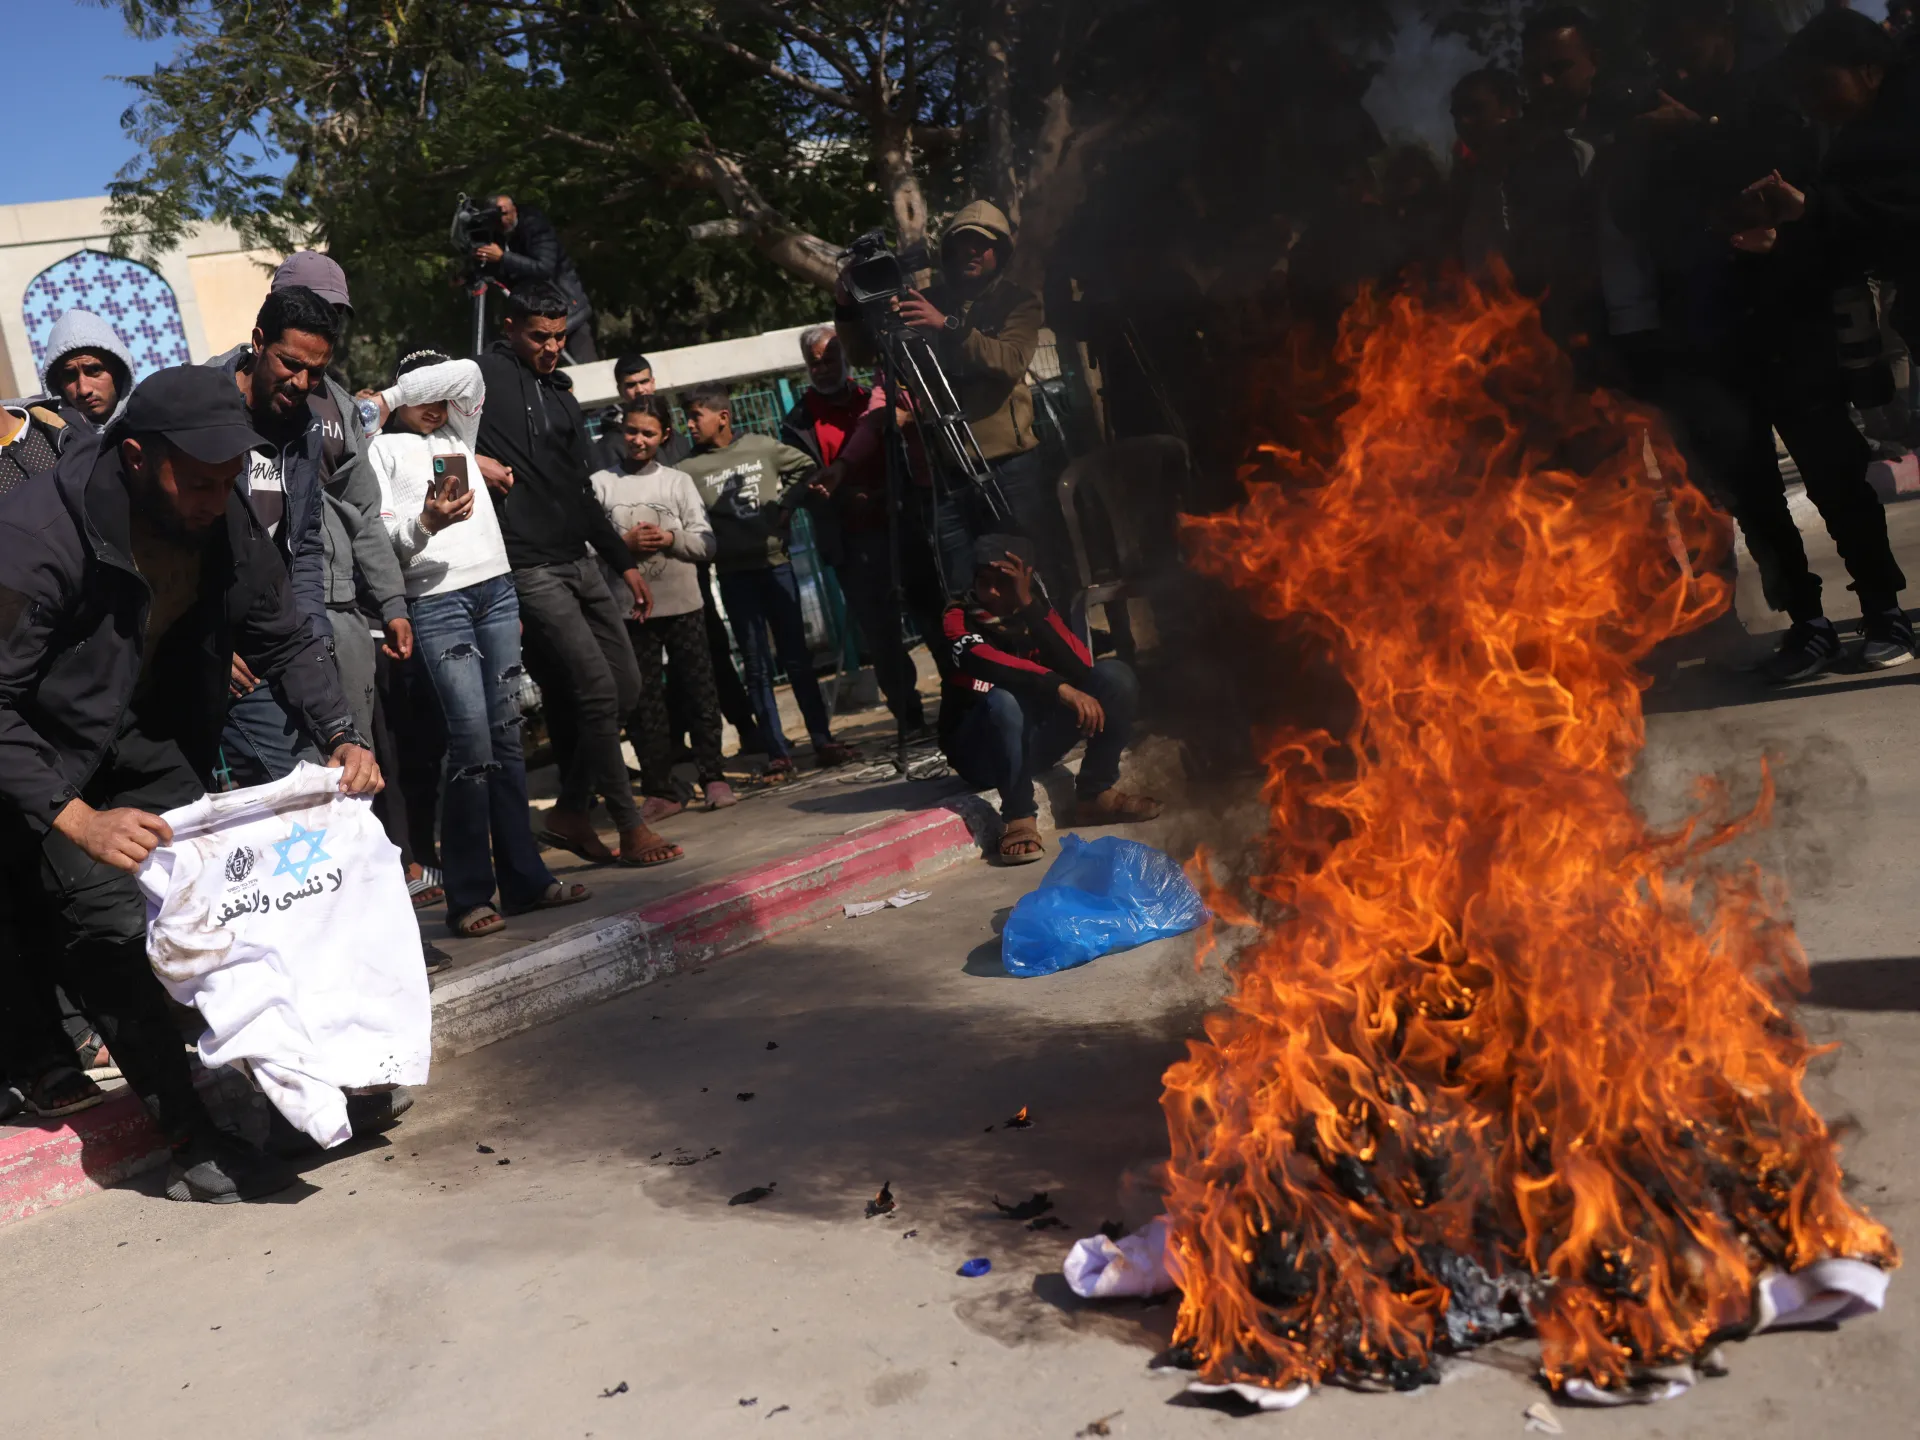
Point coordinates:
pixel 84 330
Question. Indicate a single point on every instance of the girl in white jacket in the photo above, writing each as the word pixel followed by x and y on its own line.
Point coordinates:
pixel 466 625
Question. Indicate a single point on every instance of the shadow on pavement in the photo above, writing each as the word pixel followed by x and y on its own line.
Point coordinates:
pixel 983 960
pixel 1887 984
pixel 1703 690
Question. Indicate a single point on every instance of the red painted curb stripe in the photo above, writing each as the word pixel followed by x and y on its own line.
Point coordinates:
pixel 783 894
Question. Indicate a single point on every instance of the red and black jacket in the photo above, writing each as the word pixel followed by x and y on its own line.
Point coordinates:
pixel 1031 653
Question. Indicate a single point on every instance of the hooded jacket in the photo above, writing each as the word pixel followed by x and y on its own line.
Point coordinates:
pixel 84 330
pixel 302 535
pixel 987 357
pixel 361 565
pixel 533 425
pixel 73 615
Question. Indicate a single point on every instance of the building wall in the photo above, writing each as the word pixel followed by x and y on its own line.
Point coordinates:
pixel 217 282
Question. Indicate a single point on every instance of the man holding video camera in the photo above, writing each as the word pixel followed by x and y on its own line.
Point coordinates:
pixel 984 329
pixel 528 251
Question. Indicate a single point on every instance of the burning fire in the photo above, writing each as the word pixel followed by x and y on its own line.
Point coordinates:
pixel 1502 1037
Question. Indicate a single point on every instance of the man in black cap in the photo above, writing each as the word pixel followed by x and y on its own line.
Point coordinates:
pixel 127 585
pixel 1022 691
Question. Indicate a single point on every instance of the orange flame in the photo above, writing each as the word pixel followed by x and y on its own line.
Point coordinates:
pixel 1499 1017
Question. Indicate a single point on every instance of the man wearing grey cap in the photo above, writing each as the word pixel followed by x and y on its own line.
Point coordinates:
pixel 127 585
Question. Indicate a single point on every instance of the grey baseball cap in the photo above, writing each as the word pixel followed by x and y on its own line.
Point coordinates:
pixel 319 273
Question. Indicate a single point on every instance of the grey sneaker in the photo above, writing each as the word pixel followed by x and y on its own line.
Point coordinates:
pixel 1889 640
pixel 221 1169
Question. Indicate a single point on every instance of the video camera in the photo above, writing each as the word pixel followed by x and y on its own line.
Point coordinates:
pixel 876 276
pixel 476 224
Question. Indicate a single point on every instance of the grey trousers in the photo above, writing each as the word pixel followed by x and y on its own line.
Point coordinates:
pixel 353 652
pixel 574 643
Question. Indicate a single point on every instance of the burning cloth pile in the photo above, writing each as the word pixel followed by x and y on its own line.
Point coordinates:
pixel 1503 1056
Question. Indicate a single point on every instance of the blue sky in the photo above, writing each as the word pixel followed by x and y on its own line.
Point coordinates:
pixel 58 95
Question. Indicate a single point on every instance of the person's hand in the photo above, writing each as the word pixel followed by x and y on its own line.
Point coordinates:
pixel 1088 717
pixel 1020 573
pixel 646 538
pixel 1669 114
pixel 488 254
pixel 642 595
pixel 361 772
pixel 120 838
pixel 1779 203
pixel 919 313
pixel 399 641
pixel 440 510
pixel 378 399
pixel 1758 241
pixel 499 477
pixel 243 681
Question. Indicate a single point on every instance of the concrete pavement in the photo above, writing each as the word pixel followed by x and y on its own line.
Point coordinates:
pixel 423 1287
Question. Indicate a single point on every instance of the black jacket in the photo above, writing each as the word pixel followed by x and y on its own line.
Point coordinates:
pixel 73 614
pixel 533 424
pixel 534 253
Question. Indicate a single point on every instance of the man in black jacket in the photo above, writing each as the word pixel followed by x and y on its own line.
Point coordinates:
pixel 127 584
pixel 532 253
pixel 532 450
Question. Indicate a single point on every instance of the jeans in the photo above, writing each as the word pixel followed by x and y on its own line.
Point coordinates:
pixel 769 599
pixel 261 741
pixel 685 682
pixel 470 639
pixel 89 921
pixel 577 648
pixel 735 704
pixel 1003 741
pixel 866 579
pixel 410 742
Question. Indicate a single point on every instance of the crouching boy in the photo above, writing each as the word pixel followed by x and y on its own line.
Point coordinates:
pixel 1022 691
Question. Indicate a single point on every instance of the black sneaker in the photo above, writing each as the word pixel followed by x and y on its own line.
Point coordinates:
pixel 1889 640
pixel 1810 648
pixel 221 1168
pixel 370 1114
pixel 436 958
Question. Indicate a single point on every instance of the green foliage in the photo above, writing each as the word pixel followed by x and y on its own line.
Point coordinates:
pixel 355 124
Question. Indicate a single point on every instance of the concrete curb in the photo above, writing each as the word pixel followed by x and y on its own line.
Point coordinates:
pixel 43 1167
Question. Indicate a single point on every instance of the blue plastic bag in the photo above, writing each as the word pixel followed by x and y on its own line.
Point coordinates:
pixel 1097 897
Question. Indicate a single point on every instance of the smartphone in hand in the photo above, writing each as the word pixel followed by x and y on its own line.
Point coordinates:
pixel 449 476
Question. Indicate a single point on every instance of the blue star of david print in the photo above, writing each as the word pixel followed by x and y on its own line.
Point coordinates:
pixel 314 856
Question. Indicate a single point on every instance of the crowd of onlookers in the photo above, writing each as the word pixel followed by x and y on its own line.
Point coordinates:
pixel 224 570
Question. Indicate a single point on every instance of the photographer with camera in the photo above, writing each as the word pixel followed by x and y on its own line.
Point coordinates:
pixel 520 247
pixel 983 329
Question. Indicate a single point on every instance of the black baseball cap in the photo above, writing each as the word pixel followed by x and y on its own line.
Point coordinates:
pixel 197 407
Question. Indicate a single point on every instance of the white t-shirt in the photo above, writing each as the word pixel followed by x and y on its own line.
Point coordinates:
pixel 267 488
pixel 462 554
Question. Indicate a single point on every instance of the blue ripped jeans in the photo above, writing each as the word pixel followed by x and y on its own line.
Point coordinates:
pixel 470 640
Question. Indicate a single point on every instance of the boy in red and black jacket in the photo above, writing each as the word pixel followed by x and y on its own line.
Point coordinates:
pixel 1021 691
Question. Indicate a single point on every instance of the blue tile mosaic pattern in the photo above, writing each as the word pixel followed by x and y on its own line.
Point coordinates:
pixel 130 297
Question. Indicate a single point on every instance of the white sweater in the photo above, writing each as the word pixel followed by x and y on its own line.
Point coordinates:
pixel 460 555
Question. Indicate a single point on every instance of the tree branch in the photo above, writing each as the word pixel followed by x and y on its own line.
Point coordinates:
pixel 766 67
pixel 813 40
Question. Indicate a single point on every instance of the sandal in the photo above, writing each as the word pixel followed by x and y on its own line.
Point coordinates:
pixel 829 754
pixel 593 851
pixel 659 807
pixel 642 849
pixel 554 896
pixel 481 920
pixel 777 772
pixel 426 889
pixel 1020 842
pixel 96 1059
pixel 1115 807
pixel 63 1090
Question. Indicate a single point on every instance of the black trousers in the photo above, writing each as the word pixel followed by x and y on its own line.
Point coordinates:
pixel 574 641
pixel 86 923
pixel 866 579
pixel 676 673
pixel 1727 415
